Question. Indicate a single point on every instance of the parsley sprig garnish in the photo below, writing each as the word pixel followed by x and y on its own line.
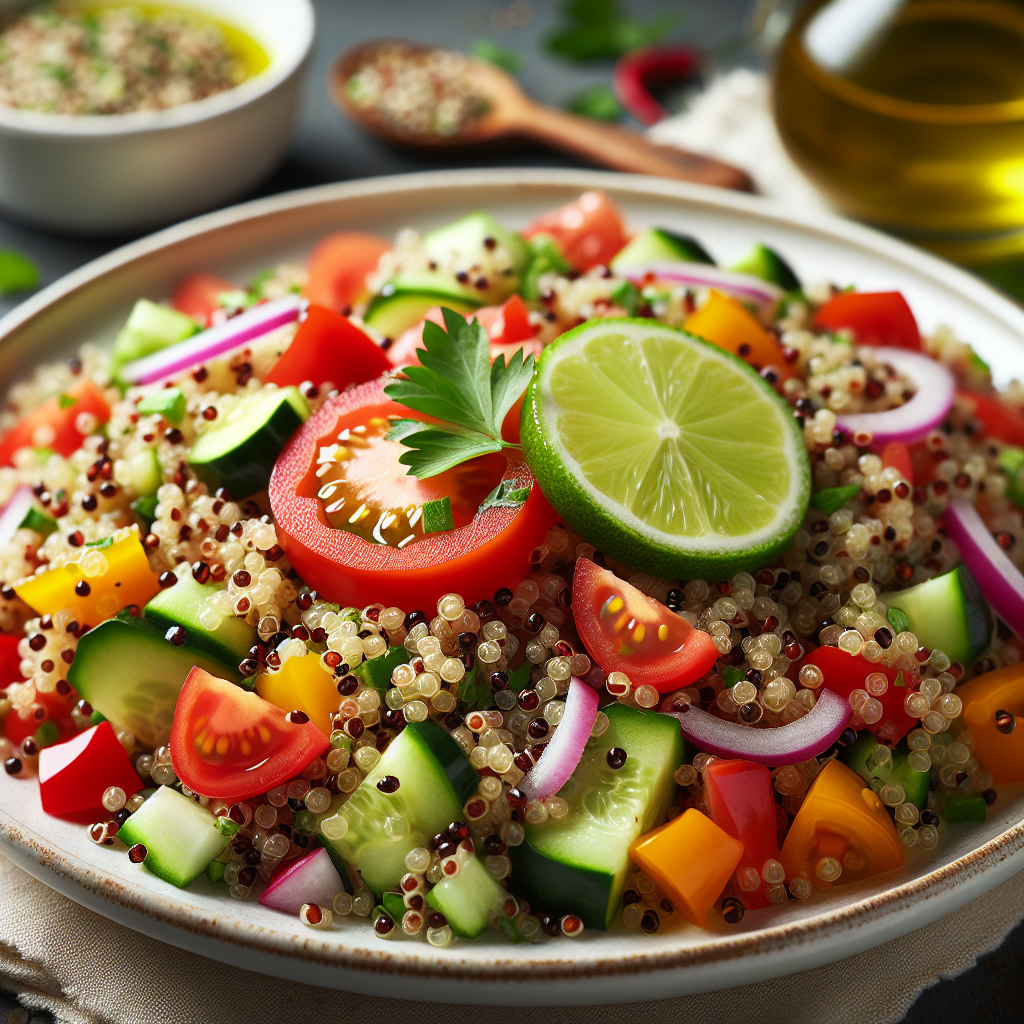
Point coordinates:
pixel 457 383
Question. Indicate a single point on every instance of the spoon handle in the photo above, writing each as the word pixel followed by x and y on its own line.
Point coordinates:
pixel 623 150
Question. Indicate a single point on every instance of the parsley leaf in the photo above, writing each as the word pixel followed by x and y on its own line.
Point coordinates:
pixel 435 449
pixel 476 695
pixel 490 51
pixel 598 102
pixel 505 495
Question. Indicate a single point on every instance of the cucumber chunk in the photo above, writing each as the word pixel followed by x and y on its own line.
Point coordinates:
pixel 180 836
pixel 376 672
pixel 579 864
pixel 859 757
pixel 239 453
pixel 948 613
pixel 545 257
pixel 468 899
pixel 392 313
pixel 659 245
pixel 767 264
pixel 227 643
pixel 150 327
pixel 129 672
pixel 169 403
pixel 435 780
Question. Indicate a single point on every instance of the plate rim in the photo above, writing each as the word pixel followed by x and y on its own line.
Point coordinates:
pixel 949 879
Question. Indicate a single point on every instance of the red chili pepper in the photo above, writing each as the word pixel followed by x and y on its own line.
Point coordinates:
pixel 637 71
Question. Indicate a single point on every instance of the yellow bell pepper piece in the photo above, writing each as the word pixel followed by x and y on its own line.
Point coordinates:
pixel 840 819
pixel 690 859
pixel 302 684
pixel 994 714
pixel 97 581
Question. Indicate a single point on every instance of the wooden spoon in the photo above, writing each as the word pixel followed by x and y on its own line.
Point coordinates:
pixel 510 113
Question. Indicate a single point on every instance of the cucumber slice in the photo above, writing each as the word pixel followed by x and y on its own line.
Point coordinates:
pixel 658 245
pixel 545 257
pixel 240 452
pixel 144 472
pixel 227 643
pixel 180 836
pixel 435 780
pixel 392 313
pixel 579 864
pixel 947 612
pixel 859 757
pixel 169 403
pixel 767 264
pixel 129 672
pixel 150 327
pixel 377 671
pixel 468 899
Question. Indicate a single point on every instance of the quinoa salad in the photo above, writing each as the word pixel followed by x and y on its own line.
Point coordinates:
pixel 534 581
pixel 69 58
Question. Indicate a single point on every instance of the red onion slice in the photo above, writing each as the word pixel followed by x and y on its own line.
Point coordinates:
pixel 564 750
pixel 14 512
pixel 702 275
pixel 313 879
pixel 776 747
pixel 1000 580
pixel 214 341
pixel 914 419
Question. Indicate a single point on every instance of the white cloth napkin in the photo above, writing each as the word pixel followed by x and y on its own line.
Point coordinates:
pixel 88 970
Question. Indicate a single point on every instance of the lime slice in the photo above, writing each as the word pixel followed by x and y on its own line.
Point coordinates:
pixel 666 452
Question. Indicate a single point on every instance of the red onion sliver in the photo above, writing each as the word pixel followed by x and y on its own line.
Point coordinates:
pixel 785 744
pixel 564 750
pixel 313 879
pixel 1000 580
pixel 914 419
pixel 702 275
pixel 14 512
pixel 214 341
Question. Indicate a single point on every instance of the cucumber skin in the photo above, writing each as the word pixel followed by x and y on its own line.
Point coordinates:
pixel 914 783
pixel 395 313
pixel 765 263
pixel 658 245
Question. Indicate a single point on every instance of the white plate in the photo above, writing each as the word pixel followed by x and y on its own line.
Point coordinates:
pixel 599 967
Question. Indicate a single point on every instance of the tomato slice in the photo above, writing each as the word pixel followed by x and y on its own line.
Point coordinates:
pixel 198 296
pixel 491 550
pixel 589 230
pixel 998 419
pixel 53 424
pixel 338 267
pixel 328 347
pixel 624 630
pixel 876 318
pixel 228 743
pixel 897 455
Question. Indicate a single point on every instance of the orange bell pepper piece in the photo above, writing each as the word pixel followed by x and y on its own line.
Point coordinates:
pixel 302 684
pixel 725 322
pixel 690 859
pixel 842 819
pixel 994 713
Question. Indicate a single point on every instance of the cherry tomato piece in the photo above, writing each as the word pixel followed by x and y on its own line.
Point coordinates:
pixel 876 318
pixel 338 267
pixel 589 230
pixel 198 296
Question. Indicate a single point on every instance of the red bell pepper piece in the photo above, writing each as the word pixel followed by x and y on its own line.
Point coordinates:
pixel 73 775
pixel 998 419
pixel 10 660
pixel 897 455
pixel 637 71
pixel 876 318
pixel 845 673
pixel 740 801
pixel 198 296
pixel 328 347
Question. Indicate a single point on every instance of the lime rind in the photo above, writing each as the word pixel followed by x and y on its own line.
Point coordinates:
pixel 681 461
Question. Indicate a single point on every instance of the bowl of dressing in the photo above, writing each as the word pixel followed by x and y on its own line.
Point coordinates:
pixel 119 117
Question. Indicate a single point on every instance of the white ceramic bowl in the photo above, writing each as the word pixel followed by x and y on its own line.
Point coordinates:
pixel 116 173
pixel 599 967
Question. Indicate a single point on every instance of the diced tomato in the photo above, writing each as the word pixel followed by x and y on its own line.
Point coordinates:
pixel 198 296
pixel 74 774
pixel 589 230
pixel 231 744
pixel 740 800
pixel 328 347
pixel 876 318
pixel 999 419
pixel 624 630
pixel 10 660
pixel 56 709
pixel 897 455
pixel 52 424
pixel 507 323
pixel 845 673
pixel 338 267
pixel 485 551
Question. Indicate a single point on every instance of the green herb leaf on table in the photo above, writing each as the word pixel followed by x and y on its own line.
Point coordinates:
pixel 600 30
pixel 490 51
pixel 598 102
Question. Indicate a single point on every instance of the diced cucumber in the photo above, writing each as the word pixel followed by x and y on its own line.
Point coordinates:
pixel 376 672
pixel 239 453
pixel 180 836
pixel 545 257
pixel 394 903
pixel 767 264
pixel 659 245
pixel 468 899
pixel 948 613
pixel 129 672
pixel 227 643
pixel 150 327
pixel 379 829
pixel 1011 462
pixel 169 403
pixel 961 807
pixel 215 871
pixel 144 473
pixel 391 313
pixel 579 863
pixel 897 772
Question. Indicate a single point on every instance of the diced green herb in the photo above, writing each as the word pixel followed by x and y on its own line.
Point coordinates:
pixel 731 676
pixel 145 509
pixel 505 495
pixel 596 101
pixel 600 30
pixel 831 499
pixel 66 401
pixel 545 257
pixel 225 826
pixel 106 542
pixel 490 51
pixel 377 672
pixel 169 403
pixel 37 521
pixel 899 680
pixel 898 620
pixel 476 695
pixel 47 734
pixel 249 683
pixel 628 297
pixel 519 678
pixel 437 515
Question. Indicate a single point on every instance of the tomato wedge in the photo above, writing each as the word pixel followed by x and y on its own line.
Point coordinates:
pixel 876 318
pixel 198 296
pixel 338 267
pixel 486 550
pixel 997 418
pixel 589 230
pixel 624 630
pixel 230 744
